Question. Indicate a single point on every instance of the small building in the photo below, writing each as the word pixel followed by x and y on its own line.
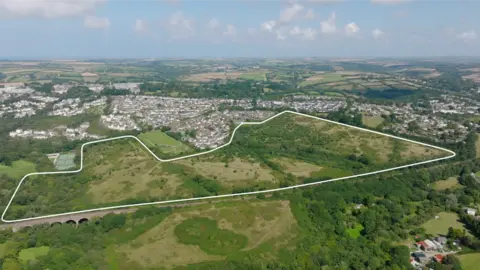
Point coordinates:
pixel 441 239
pixel 438 258
pixel 414 263
pixel 471 211
pixel 420 257
pixel 426 245
pixel 358 206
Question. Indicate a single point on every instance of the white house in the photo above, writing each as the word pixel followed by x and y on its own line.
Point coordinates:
pixel 471 211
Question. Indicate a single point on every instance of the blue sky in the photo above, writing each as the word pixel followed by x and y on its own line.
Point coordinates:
pixel 242 28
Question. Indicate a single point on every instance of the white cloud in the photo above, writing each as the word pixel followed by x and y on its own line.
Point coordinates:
pixel 467 36
pixel 324 1
pixel 351 28
pixel 180 26
pixel 377 33
pixel 295 31
pixel 280 34
pixel 140 26
pixel 213 24
pixel 310 15
pixel 96 22
pixel 389 2
pixel 268 26
pixel 173 1
pixel 400 14
pixel 307 33
pixel 251 31
pixel 290 13
pixel 328 26
pixel 231 31
pixel 48 8
pixel 287 15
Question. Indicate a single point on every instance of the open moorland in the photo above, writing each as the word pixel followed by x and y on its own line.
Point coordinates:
pixel 288 150
pixel 212 232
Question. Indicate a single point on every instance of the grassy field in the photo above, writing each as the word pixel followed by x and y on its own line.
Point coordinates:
pixel 355 231
pixel 333 94
pixel 204 233
pixel 161 141
pixel 2 249
pixel 297 168
pixel 441 225
pixel 323 78
pixel 380 149
pixel 211 232
pixel 372 121
pixel 255 76
pixel 470 261
pixel 127 171
pixel 233 171
pixel 477 145
pixel 65 161
pixel 451 182
pixel 18 169
pixel 32 253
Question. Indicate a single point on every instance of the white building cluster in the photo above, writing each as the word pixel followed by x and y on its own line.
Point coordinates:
pixel 118 122
pixel 71 106
pixel 79 133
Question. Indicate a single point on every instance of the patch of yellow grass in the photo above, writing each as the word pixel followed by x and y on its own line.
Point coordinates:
pixel 314 78
pixel 372 121
pixel 236 169
pixel 205 77
pixel 297 168
pixel 451 182
pixel 477 145
pixel 132 174
pixel 13 71
pixel 420 151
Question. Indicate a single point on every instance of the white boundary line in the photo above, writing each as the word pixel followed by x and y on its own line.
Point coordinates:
pixel 210 151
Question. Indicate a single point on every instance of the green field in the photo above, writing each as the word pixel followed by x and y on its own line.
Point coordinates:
pixel 33 253
pixel 204 232
pixel 65 161
pixel 451 182
pixel 322 78
pixel 18 169
pixel 164 143
pixel 441 225
pixel 355 231
pixel 372 121
pixel 2 249
pixel 258 76
pixel 470 261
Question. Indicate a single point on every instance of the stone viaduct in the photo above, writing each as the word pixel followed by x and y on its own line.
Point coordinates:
pixel 77 219
pixel 74 219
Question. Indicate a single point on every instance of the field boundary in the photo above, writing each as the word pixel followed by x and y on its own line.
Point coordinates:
pixel 453 154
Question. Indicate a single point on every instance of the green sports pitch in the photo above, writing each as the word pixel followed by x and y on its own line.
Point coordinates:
pixel 166 144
